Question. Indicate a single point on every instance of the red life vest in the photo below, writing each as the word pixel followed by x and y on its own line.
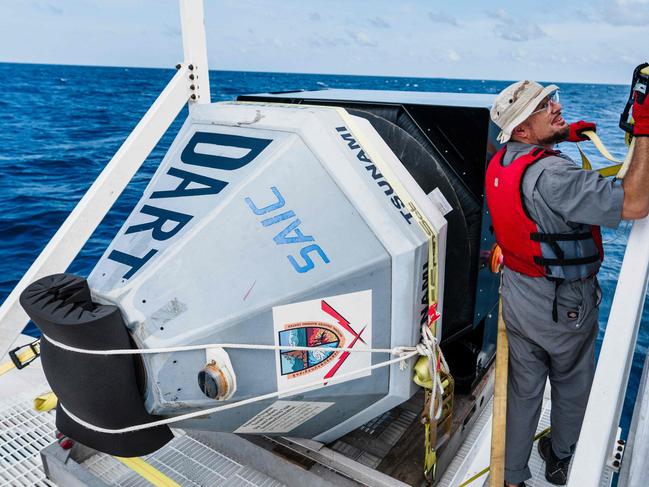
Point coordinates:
pixel 516 233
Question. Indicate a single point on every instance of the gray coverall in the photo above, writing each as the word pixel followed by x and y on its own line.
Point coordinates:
pixel 558 196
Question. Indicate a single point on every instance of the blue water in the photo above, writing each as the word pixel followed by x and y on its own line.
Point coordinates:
pixel 60 125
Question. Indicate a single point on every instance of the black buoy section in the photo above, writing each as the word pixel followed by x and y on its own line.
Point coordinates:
pixel 100 389
pixel 462 244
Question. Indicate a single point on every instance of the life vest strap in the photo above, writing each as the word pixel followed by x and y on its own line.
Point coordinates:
pixel 561 237
pixel 565 262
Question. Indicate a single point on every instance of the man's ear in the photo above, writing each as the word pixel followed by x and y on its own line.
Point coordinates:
pixel 520 131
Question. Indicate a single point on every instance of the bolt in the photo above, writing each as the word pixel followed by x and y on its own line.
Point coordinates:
pixel 192 87
pixel 191 76
pixel 616 464
pixel 193 97
pixel 619 448
pixel 620 442
pixel 191 67
pixel 178 66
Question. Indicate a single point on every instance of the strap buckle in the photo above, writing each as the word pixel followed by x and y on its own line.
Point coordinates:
pixel 27 358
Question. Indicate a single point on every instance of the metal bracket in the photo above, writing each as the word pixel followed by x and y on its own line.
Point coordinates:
pixel 617 453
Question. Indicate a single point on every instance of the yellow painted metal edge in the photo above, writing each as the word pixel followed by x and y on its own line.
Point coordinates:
pixel 148 472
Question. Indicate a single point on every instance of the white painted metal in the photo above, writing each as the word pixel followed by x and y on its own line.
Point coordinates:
pixel 78 227
pixel 474 454
pixel 635 463
pixel 195 48
pixel 23 433
pixel 609 387
pixel 186 461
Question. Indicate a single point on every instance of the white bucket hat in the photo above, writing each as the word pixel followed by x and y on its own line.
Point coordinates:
pixel 515 103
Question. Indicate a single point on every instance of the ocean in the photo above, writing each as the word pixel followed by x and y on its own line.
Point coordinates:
pixel 60 125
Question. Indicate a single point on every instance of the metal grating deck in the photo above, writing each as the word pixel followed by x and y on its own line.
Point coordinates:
pixel 481 433
pixel 185 460
pixel 23 433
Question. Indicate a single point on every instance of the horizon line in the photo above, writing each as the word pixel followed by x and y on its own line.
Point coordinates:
pixel 305 73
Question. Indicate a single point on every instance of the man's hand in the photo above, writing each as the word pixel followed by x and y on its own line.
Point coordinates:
pixel 578 128
pixel 641 117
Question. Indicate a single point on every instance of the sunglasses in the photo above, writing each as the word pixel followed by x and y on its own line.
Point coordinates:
pixel 546 104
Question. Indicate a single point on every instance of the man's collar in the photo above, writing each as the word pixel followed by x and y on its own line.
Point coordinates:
pixel 515 146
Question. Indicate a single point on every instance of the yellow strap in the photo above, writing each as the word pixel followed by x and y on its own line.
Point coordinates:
pixel 475 477
pixel 486 469
pixel 618 169
pixel 148 472
pixel 24 356
pixel 430 455
pixel 597 142
pixel 45 402
pixel 48 401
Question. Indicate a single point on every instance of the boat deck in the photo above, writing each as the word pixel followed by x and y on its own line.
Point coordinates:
pixel 190 460
pixel 474 454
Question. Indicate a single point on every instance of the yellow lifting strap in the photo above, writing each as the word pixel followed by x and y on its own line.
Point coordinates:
pixel 21 359
pixel 45 402
pixel 148 472
pixel 430 424
pixel 618 169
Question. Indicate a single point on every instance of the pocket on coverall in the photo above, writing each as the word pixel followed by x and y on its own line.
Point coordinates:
pixel 578 304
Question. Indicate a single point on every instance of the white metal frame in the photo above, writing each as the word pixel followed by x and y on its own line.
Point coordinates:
pixel 190 83
pixel 599 429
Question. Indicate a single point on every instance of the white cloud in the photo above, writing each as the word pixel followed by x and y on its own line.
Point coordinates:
pixel 379 22
pixel 453 55
pixel 518 31
pixel 319 40
pixel 499 14
pixel 48 7
pixel 626 12
pixel 443 18
pixel 171 30
pixel 361 39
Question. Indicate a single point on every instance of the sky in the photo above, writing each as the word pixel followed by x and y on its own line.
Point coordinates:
pixel 592 41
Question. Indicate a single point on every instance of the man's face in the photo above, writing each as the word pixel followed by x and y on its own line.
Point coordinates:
pixel 546 124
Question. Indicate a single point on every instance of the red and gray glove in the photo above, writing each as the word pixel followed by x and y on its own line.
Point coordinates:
pixel 641 117
pixel 578 128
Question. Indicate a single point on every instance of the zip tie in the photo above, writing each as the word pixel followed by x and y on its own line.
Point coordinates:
pixel 185 348
pixel 289 392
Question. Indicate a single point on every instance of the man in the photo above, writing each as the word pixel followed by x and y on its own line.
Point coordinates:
pixel 546 214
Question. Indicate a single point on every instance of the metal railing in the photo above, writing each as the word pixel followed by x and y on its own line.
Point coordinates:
pixel 190 83
pixel 599 429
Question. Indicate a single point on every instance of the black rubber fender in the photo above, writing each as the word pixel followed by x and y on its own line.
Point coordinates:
pixel 100 389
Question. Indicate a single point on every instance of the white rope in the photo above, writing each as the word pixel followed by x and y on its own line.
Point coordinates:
pixel 248 346
pixel 429 347
pixel 288 392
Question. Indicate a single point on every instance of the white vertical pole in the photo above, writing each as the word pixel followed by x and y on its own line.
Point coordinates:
pixel 599 429
pixel 192 23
